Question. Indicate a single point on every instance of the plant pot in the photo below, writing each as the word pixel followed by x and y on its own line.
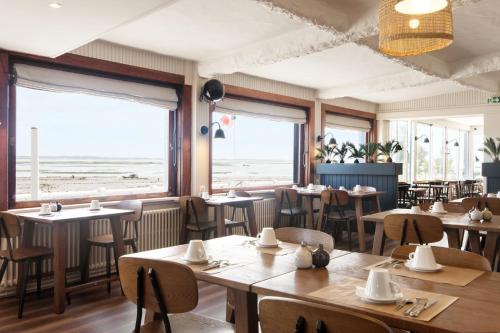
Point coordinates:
pixel 342 161
pixel 389 159
pixel 328 161
pixel 371 161
pixel 356 161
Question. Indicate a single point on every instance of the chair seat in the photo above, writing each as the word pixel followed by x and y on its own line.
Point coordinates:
pixel 203 226
pixel 26 253
pixel 293 211
pixel 189 323
pixel 106 240
pixel 348 214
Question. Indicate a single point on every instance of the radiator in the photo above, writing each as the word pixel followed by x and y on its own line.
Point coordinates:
pixel 158 228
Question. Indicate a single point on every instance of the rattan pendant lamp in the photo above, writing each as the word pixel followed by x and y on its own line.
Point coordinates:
pixel 402 35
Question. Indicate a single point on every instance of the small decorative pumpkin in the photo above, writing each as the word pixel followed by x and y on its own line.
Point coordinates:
pixel 320 258
pixel 303 257
pixel 487 214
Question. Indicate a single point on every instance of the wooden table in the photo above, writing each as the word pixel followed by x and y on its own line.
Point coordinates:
pixel 218 202
pixel 59 222
pixel 453 223
pixel 476 311
pixel 358 198
pixel 239 280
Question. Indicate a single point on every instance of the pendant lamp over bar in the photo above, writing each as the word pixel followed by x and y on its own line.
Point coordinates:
pixel 404 35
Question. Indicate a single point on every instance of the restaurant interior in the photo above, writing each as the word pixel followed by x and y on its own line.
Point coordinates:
pixel 249 166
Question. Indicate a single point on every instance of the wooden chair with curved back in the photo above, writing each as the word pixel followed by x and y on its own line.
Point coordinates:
pixel 232 223
pixel 448 256
pixel 309 236
pixel 169 289
pixel 413 228
pixel 288 204
pixel 10 228
pixel 335 209
pixel 279 315
pixel 195 217
pixel 469 203
pixel 107 242
pixel 493 204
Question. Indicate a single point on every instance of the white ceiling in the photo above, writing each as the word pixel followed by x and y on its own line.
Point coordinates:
pixel 327 45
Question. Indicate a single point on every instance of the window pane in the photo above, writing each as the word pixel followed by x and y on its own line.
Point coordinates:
pixel 256 152
pixel 89 145
pixel 398 130
pixel 437 140
pixel 344 136
pixel 477 142
pixel 423 152
pixel 453 155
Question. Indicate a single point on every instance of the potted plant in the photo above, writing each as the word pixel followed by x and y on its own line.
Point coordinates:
pixel 492 149
pixel 389 148
pixel 324 153
pixel 370 150
pixel 356 153
pixel 341 151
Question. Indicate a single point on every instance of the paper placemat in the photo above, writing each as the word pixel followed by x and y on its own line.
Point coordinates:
pixel 343 292
pixel 206 268
pixel 456 276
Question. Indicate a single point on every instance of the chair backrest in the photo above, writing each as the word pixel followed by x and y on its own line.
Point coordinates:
pixel 135 205
pixel 279 315
pixel 311 237
pixel 448 256
pixel 334 198
pixel 9 225
pixel 493 204
pixel 177 288
pixel 413 228
pixel 242 194
pixel 449 207
pixel 286 198
pixel 193 209
pixel 469 203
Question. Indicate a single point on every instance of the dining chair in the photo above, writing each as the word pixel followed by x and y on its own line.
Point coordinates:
pixel 232 223
pixel 493 205
pixel 448 257
pixel 24 257
pixel 288 204
pixel 107 242
pixel 413 228
pixel 279 315
pixel 195 215
pixel 469 203
pixel 404 200
pixel 168 289
pixel 336 210
pixel 449 207
pixel 309 236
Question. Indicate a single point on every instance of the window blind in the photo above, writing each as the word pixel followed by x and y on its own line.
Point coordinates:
pixel 348 123
pixel 48 79
pixel 261 110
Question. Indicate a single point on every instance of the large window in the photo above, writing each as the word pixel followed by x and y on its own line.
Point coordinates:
pixel 399 131
pixel 84 136
pixel 260 148
pixel 423 133
pixel 344 130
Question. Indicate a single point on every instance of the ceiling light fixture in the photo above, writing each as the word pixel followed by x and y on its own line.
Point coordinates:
pixel 55 5
pixel 420 7
pixel 402 35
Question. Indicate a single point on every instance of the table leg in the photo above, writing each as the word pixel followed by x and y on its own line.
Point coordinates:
pixel 453 238
pixel 117 230
pixel 252 221
pixel 358 204
pixel 474 241
pixel 378 239
pixel 490 247
pixel 245 312
pixel 310 212
pixel 376 203
pixel 84 263
pixel 59 243
pixel 319 225
pixel 221 225
pixel 26 241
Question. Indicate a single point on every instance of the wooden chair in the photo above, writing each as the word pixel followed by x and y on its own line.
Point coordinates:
pixel 311 237
pixel 448 256
pixel 280 315
pixel 413 228
pixel 168 289
pixel 232 223
pixel 288 204
pixel 195 217
pixel 335 209
pixel 107 242
pixel 469 203
pixel 10 228
pixel 493 204
pixel 404 200
pixel 449 207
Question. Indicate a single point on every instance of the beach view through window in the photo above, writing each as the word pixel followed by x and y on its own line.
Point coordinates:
pixel 89 145
pixel 256 152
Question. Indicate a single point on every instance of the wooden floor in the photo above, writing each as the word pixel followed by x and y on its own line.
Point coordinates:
pixel 94 311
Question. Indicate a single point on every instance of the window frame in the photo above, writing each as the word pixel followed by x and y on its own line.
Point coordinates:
pixel 179 181
pixel 306 151
pixel 371 136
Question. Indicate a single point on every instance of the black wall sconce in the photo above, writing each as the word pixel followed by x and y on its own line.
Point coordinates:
pixel 219 133
pixel 426 139
pixel 456 144
pixel 332 142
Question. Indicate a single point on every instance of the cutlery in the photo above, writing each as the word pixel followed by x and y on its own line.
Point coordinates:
pixel 211 266
pixel 419 302
pixel 425 307
pixel 384 264
pixel 402 302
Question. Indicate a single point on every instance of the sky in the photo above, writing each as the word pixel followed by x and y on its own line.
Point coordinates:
pixel 71 124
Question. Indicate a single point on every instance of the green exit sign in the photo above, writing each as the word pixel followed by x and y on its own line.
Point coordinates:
pixel 494 100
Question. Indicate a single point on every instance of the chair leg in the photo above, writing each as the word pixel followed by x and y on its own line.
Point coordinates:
pixel 229 231
pixel 24 284
pixel 108 267
pixel 85 263
pixel 3 268
pixel 245 229
pixel 349 236
pixel 134 246
pixel 38 267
